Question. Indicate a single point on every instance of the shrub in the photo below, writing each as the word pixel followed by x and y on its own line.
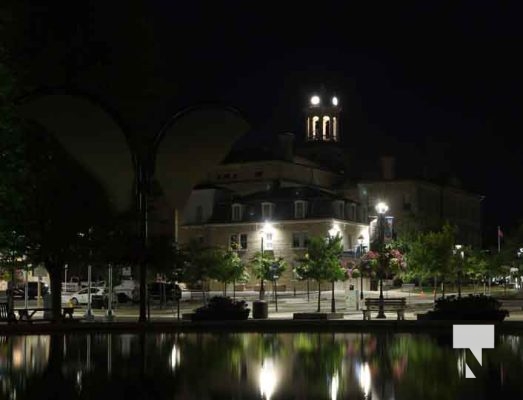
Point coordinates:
pixel 222 308
pixel 471 307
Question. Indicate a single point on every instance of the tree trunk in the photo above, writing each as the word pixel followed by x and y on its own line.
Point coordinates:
pixel 333 300
pixel 308 290
pixel 224 289
pixel 443 288
pixel 435 288
pixel 55 274
pixel 319 296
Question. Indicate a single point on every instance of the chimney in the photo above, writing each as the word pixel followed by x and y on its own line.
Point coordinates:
pixel 285 146
pixel 388 168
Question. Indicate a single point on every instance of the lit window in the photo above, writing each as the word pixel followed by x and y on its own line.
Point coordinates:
pixel 237 212
pixel 238 241
pixel 268 241
pixel 267 210
pixel 300 209
pixel 315 127
pixel 233 241
pixel 326 128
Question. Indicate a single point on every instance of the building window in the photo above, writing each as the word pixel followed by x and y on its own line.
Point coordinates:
pixel 326 128
pixel 238 241
pixel 315 127
pixel 268 245
pixel 339 208
pixel 199 214
pixel 237 212
pixel 243 241
pixel 300 209
pixel 300 240
pixel 267 210
pixel 233 241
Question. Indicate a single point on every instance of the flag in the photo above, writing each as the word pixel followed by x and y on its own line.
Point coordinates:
pixel 500 233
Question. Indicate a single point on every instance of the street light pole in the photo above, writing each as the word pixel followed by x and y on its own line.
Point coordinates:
pixel 262 289
pixel 110 315
pixel 360 242
pixel 381 208
pixel 89 313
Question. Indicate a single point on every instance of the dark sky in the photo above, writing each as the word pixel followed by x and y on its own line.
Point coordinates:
pixel 431 82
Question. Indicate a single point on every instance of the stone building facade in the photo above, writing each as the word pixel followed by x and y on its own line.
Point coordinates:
pixel 289 195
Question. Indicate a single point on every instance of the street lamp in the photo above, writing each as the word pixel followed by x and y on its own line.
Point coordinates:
pixel 360 243
pixel 462 256
pixel 88 313
pixel 264 230
pixel 333 233
pixel 381 209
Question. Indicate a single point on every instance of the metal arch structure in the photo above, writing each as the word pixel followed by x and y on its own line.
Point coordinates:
pixel 179 154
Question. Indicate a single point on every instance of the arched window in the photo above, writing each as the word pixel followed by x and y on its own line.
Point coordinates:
pixel 315 127
pixel 326 128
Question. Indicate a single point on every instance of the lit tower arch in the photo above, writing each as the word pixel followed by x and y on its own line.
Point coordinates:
pixel 322 116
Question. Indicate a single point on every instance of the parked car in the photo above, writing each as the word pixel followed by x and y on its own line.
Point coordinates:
pixel 81 296
pixel 155 291
pixel 32 290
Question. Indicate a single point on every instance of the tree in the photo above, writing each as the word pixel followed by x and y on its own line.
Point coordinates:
pixel 323 256
pixel 198 264
pixel 302 271
pixel 267 267
pixel 228 268
pixel 45 196
pixel 430 255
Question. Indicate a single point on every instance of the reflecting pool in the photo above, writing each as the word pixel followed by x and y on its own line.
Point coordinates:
pixel 254 366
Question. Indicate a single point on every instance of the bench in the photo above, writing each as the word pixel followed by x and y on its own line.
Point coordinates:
pixel 26 314
pixel 6 314
pixel 397 304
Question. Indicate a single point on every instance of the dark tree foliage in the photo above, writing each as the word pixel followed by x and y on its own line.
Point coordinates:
pixel 46 198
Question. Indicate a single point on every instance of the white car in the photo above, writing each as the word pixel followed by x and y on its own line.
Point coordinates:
pixel 81 296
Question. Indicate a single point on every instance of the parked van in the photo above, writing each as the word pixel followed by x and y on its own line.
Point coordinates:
pixel 124 291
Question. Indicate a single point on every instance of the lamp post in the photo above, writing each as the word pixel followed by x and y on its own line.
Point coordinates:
pixel 460 261
pixel 381 209
pixel 262 289
pixel 88 313
pixel 110 314
pixel 360 243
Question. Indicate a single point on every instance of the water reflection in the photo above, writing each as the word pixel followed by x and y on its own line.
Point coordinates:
pixel 253 366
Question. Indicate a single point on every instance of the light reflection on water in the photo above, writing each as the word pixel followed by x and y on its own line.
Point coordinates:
pixel 253 366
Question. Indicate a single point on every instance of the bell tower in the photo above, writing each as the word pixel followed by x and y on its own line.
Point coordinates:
pixel 322 118
pixel 322 142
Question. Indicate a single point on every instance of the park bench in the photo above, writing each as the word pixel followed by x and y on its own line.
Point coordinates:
pixel 26 314
pixel 397 304
pixel 6 315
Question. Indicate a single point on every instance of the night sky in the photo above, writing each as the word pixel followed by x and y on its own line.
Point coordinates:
pixel 437 84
